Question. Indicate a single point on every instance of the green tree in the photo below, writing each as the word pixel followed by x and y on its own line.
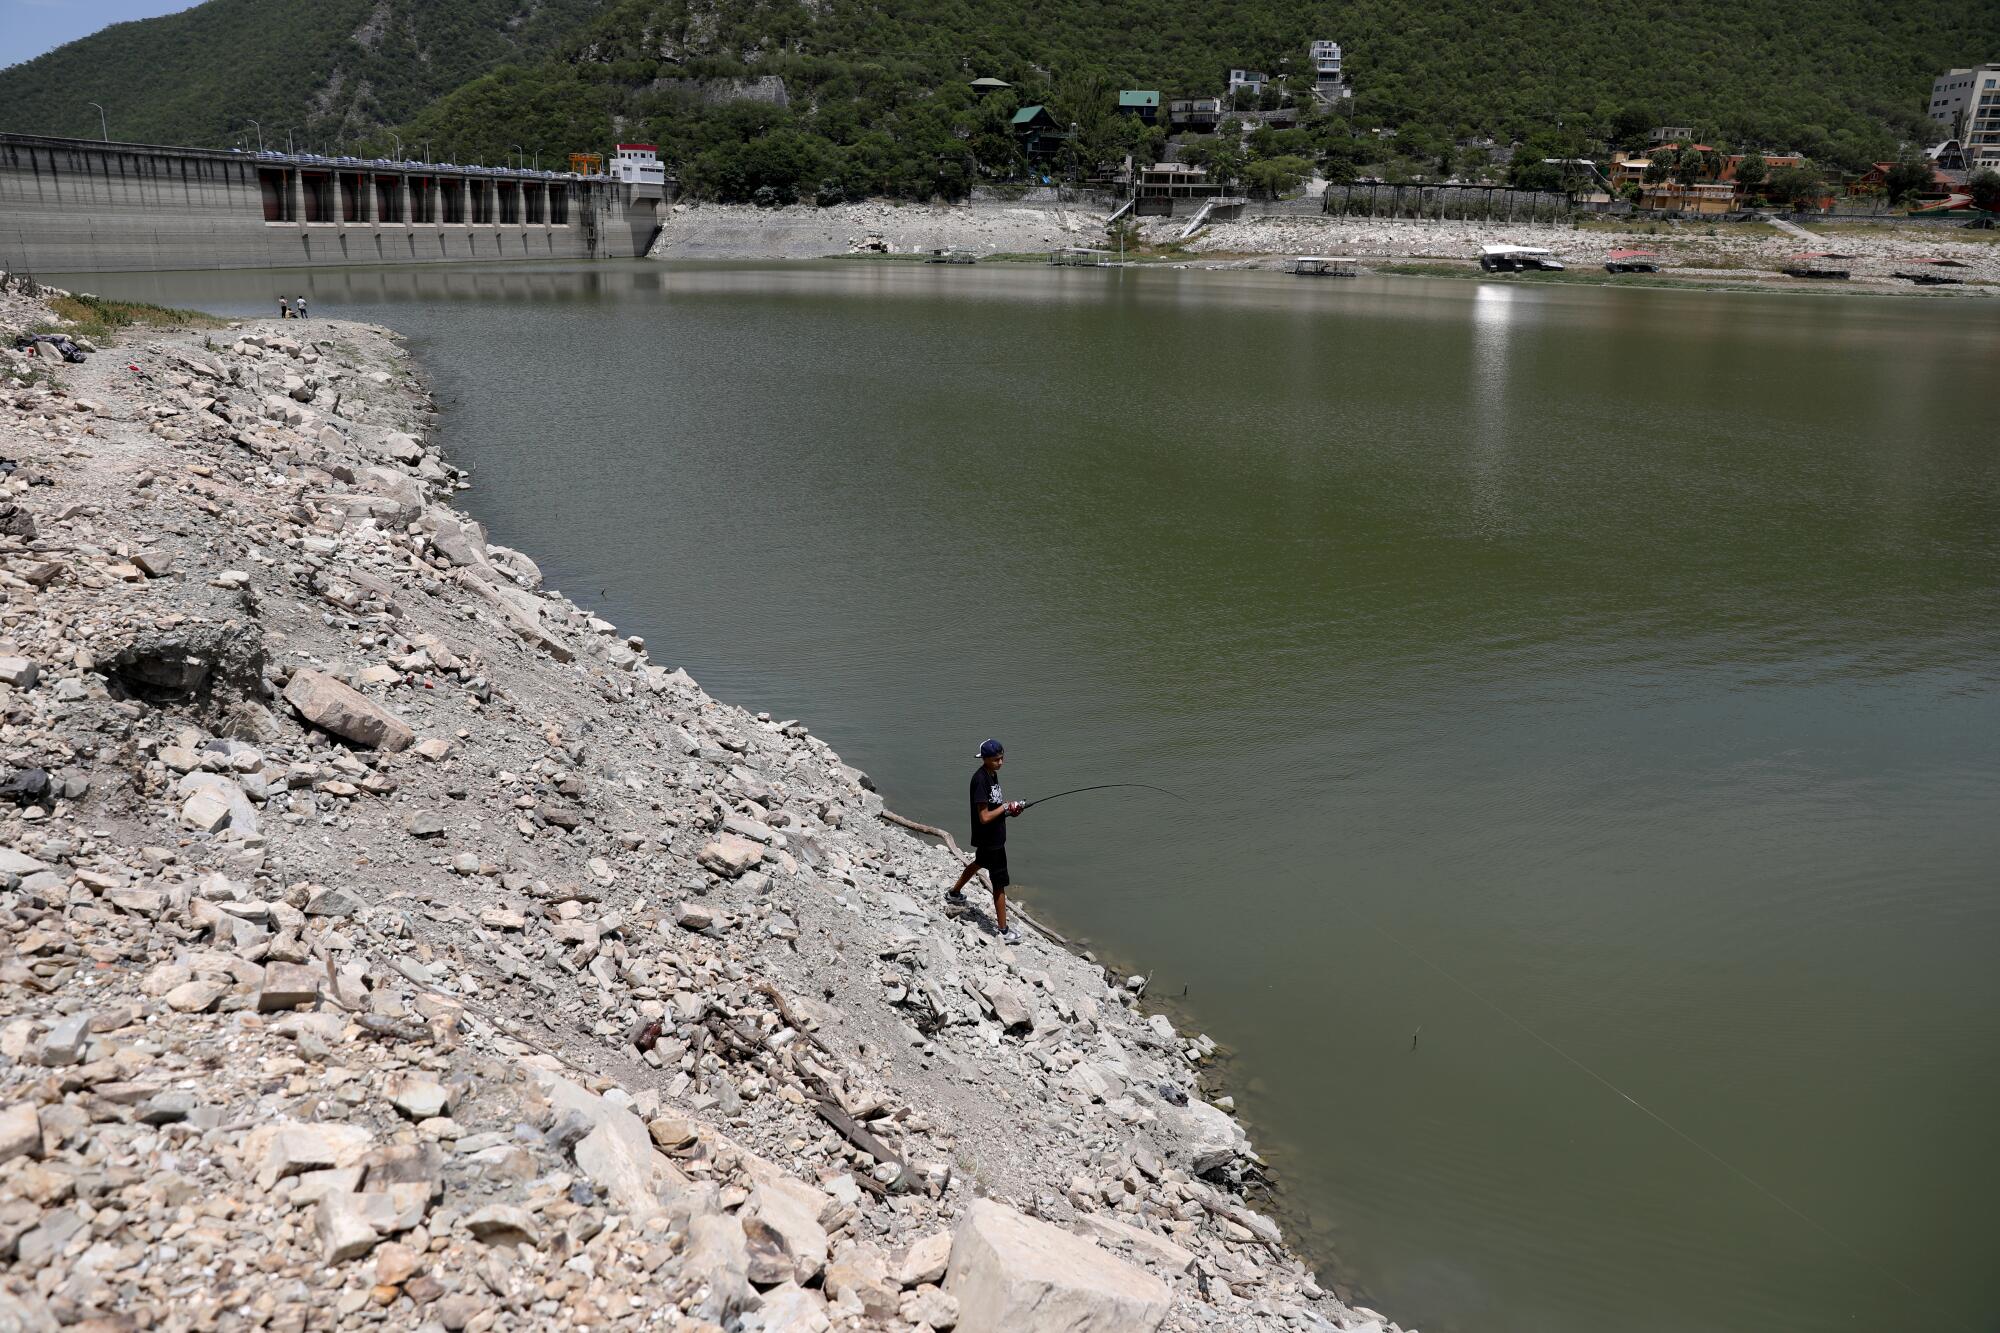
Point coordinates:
pixel 1688 165
pixel 1087 102
pixel 1985 187
pixel 1532 173
pixel 1273 177
pixel 1798 187
pixel 1752 173
pixel 1907 175
pixel 1221 154
pixel 1632 122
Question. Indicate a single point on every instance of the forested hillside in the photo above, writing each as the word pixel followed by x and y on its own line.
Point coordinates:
pixel 324 69
pixel 778 99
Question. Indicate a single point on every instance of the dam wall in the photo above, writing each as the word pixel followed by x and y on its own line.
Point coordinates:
pixel 80 205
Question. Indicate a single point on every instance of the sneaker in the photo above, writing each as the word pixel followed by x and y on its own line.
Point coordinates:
pixel 1010 936
pixel 953 898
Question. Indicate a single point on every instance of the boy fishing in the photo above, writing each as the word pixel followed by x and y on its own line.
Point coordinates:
pixel 990 812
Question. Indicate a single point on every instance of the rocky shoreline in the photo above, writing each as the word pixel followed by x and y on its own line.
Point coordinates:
pixel 388 941
pixel 1750 253
pixel 741 231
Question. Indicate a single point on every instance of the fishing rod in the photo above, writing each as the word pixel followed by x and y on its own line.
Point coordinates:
pixel 1102 786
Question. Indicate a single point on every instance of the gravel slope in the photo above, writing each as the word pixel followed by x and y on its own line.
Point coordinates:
pixel 387 941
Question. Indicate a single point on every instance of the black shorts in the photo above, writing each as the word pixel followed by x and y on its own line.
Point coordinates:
pixel 993 860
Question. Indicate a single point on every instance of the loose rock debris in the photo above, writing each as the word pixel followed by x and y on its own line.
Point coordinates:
pixel 387 940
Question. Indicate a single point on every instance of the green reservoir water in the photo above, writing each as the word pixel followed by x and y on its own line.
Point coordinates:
pixel 1601 687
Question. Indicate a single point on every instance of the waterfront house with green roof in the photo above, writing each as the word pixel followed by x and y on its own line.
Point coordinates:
pixel 1041 138
pixel 1145 104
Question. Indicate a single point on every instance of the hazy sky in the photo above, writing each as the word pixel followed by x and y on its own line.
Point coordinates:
pixel 30 27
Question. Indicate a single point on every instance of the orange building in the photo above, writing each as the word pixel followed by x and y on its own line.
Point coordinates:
pixel 1772 162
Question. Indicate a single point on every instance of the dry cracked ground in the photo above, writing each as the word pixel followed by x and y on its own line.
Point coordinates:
pixel 385 941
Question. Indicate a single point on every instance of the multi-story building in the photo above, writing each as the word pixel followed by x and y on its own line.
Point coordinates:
pixel 1247 80
pixel 1329 79
pixel 1199 114
pixel 1965 104
pixel 1982 121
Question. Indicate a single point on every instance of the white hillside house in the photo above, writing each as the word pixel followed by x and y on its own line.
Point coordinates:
pixel 1329 79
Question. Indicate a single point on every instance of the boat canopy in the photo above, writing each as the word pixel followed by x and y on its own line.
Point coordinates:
pixel 1632 254
pixel 1514 250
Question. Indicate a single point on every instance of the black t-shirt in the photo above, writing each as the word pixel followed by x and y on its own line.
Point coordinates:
pixel 986 795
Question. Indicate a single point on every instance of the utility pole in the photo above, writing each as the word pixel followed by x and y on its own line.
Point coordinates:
pixel 102 124
pixel 399 144
pixel 520 158
pixel 260 135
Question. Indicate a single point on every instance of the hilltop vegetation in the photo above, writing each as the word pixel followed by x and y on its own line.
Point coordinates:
pixel 781 99
pixel 329 70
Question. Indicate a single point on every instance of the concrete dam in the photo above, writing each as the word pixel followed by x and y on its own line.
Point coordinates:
pixel 84 206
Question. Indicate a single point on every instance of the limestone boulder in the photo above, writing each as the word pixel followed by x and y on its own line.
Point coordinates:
pixel 288 985
pixel 1009 1004
pixel 290 1147
pixel 460 543
pixel 1144 1245
pixel 790 1308
pixel 20 1131
pixel 717 1257
pixel 399 488
pixel 523 613
pixel 792 1209
pixel 926 1260
pixel 343 1228
pixel 1013 1274
pixel 401 447
pixel 334 707
pixel 730 855
pixel 211 802
pixel 1206 1137
pixel 503 1224
pixel 858 1279
pixel 617 1153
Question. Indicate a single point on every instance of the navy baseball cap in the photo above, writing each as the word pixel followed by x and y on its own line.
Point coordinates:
pixel 989 748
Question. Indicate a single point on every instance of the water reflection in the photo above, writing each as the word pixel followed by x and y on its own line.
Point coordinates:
pixel 1493 311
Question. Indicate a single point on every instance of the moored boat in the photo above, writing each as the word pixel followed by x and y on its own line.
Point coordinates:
pixel 1321 266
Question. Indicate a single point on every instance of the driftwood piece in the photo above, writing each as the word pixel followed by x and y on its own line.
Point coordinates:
pixel 852 1131
pixel 925 829
pixel 931 831
pixel 1263 1228
pixel 1021 913
pixel 730 1035
pixel 792 1018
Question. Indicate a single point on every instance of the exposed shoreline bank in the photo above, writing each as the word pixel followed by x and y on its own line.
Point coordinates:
pixel 390 938
pixel 1738 255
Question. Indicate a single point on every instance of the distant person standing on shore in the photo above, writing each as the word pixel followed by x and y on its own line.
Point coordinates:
pixel 284 308
pixel 302 307
pixel 990 812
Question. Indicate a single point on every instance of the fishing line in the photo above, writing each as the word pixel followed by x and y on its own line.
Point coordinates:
pixel 1664 1123
pixel 1102 786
